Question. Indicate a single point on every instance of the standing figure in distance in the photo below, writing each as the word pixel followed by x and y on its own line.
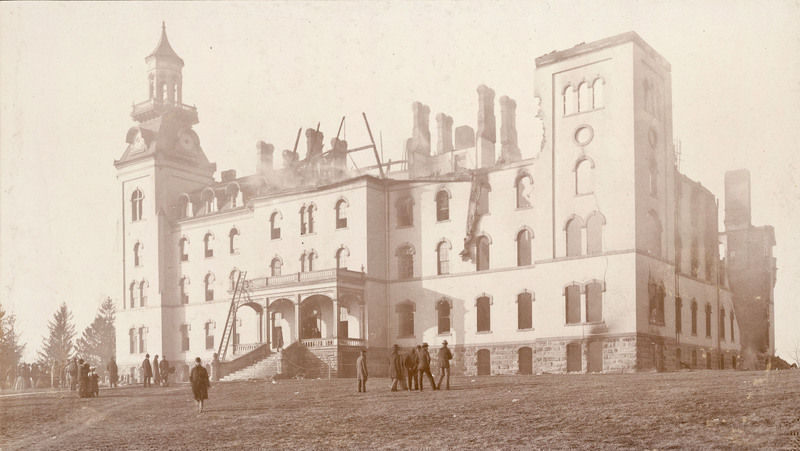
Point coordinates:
pixel 112 373
pixel 156 372
pixel 424 367
pixel 163 367
pixel 411 367
pixel 443 358
pixel 198 377
pixel 395 367
pixel 147 371
pixel 94 383
pixel 72 372
pixel 361 371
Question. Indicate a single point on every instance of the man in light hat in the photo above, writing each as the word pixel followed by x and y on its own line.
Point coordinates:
pixel 443 358
pixel 395 367
pixel 424 366
pixel 361 371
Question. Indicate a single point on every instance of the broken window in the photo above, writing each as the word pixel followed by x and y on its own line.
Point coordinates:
pixel 341 214
pixel 310 218
pixel 442 206
pixel 405 212
pixel 303 224
pixel 232 247
pixel 209 331
pixel 208 250
pixel 209 287
pixel 405 319
pixel 483 199
pixel 184 290
pixel 524 311
pixel 405 262
pixel 482 253
pixel 524 188
pixel 182 244
pixel 524 247
pixel 443 308
pixel 572 294
pixel 483 305
pixel 137 248
pixel 275 226
pixel 656 293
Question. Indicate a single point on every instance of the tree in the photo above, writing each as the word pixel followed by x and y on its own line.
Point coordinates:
pixel 98 342
pixel 10 348
pixel 58 346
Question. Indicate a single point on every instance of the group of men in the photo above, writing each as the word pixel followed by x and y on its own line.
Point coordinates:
pixel 409 370
pixel 159 371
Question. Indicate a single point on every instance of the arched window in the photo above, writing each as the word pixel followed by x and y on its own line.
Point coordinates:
pixel 184 206
pixel 142 339
pixel 136 205
pixel 232 193
pixel 137 254
pixel 584 102
pixel 133 293
pixel 405 319
pixel 524 311
pixel 232 278
pixel 733 339
pixel 694 317
pixel 482 253
pixel 209 287
pixel 483 199
pixel 572 295
pixel 341 214
pixel 597 93
pixel 183 245
pixel 132 340
pixel 164 91
pixel 594 302
pixel 405 262
pixel 442 206
pixel 443 257
pixel 443 308
pixel 722 323
pixel 303 262
pixel 405 212
pixel 184 288
pixel 656 294
pixel 310 216
pixel 708 320
pixel 569 100
pixel 341 258
pixel 207 198
pixel 653 234
pixel 594 233
pixel 184 330
pixel 524 247
pixel 574 240
pixel 207 241
pixel 209 332
pixel 275 226
pixel 312 258
pixel 143 293
pixel 483 306
pixel 275 267
pixel 233 248
pixel 584 176
pixel 524 189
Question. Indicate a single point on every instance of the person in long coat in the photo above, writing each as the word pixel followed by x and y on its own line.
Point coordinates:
pixel 361 371
pixel 156 372
pixel 112 372
pixel 83 379
pixel 395 367
pixel 198 377
pixel 424 366
pixel 444 358
pixel 147 371
pixel 410 362
pixel 72 371
pixel 163 366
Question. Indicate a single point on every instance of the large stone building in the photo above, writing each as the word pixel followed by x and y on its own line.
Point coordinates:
pixel 595 255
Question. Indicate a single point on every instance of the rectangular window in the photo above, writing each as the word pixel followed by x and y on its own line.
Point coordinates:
pixel 573 304
pixel 524 311
pixel 484 314
pixel 142 339
pixel 209 336
pixel 132 335
pixel 678 315
pixel 184 337
pixel 594 302
pixel 574 364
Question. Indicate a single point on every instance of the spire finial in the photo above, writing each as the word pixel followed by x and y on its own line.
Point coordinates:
pixel 163 25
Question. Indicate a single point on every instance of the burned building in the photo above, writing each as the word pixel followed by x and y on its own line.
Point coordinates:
pixel 593 254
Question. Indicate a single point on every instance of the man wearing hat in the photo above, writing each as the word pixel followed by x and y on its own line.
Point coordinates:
pixel 444 357
pixel 411 368
pixel 147 371
pixel 361 371
pixel 424 366
pixel 395 367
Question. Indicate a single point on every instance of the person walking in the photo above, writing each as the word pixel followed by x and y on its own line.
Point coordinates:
pixel 395 367
pixel 147 371
pixel 164 370
pixel 112 373
pixel 361 371
pixel 156 372
pixel 424 367
pixel 443 359
pixel 198 377
pixel 411 367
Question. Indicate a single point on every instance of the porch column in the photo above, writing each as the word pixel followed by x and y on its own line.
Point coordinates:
pixel 363 325
pixel 297 319
pixel 335 318
pixel 267 324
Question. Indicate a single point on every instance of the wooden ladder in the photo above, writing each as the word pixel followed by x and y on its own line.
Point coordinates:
pixel 229 323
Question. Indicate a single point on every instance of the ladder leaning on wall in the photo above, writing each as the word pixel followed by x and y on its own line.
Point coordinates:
pixel 235 300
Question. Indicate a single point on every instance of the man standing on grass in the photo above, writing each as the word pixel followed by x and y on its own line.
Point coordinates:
pixel 395 367
pixel 443 358
pixel 72 372
pixel 147 371
pixel 361 371
pixel 112 372
pixel 424 367
pixel 163 367
pixel 411 367
pixel 198 377
pixel 156 372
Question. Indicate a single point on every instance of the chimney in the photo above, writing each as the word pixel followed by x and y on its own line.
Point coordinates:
pixel 229 175
pixel 264 162
pixel 737 199
pixel 313 143
pixel 445 127
pixel 509 151
pixel 465 137
pixel 486 134
pixel 421 133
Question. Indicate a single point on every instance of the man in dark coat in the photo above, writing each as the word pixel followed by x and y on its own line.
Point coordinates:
pixel 112 372
pixel 83 379
pixel 147 371
pixel 444 358
pixel 361 371
pixel 163 367
pixel 411 367
pixel 424 366
pixel 395 367
pixel 198 377
pixel 156 372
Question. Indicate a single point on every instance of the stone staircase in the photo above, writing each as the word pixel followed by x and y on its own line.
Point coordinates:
pixel 261 369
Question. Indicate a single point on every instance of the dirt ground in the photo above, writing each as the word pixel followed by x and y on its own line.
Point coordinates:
pixel 684 410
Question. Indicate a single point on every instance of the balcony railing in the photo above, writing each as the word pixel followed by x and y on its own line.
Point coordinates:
pixel 332 341
pixel 323 275
pixel 245 348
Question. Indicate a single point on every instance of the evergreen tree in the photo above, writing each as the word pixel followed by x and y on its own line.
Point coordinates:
pixel 10 347
pixel 58 346
pixel 98 342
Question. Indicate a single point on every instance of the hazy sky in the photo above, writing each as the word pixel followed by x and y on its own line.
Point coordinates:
pixel 69 73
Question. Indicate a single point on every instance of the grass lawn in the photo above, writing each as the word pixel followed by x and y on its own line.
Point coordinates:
pixel 700 409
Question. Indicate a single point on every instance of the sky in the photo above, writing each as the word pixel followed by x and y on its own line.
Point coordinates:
pixel 69 73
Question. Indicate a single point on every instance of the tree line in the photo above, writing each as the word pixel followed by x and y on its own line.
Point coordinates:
pixel 96 345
